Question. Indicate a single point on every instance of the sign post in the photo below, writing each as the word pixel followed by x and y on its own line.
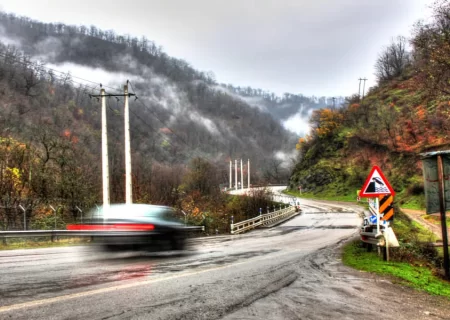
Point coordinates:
pixel 436 169
pixel 376 185
pixel 377 207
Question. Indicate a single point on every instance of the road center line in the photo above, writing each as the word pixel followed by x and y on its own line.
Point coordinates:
pixel 36 303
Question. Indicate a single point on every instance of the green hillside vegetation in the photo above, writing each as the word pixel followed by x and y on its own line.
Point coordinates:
pixel 406 114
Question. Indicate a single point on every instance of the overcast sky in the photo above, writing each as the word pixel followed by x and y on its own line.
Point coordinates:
pixel 312 47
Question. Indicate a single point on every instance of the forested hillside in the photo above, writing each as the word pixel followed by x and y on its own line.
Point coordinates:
pixel 185 127
pixel 404 115
pixel 286 106
pixel 52 125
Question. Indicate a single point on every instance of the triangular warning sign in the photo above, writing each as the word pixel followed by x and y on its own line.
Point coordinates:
pixel 376 184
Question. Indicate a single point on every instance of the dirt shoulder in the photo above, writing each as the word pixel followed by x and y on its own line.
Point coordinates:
pixel 327 289
pixel 417 215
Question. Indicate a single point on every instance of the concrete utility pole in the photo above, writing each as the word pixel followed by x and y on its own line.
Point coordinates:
pixel 248 173
pixel 128 180
pixel 359 89
pixel 105 166
pixel 242 177
pixel 364 86
pixel 231 174
pixel 235 175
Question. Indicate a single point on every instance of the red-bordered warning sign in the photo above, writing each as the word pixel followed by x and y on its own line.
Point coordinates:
pixel 376 185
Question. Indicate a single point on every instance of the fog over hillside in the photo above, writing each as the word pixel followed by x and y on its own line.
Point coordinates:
pixel 180 112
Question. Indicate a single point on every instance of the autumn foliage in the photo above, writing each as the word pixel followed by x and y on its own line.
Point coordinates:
pixel 406 114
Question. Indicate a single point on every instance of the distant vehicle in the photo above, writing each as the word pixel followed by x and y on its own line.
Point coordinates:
pixel 135 227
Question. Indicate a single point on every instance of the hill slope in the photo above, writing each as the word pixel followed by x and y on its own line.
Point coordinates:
pixel 402 117
pixel 52 126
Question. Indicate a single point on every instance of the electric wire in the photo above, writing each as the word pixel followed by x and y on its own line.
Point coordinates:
pixel 40 67
pixel 62 73
pixel 163 123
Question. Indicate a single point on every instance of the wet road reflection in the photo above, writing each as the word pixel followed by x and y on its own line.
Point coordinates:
pixel 26 275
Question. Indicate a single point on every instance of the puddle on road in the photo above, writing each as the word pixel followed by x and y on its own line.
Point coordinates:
pixel 279 231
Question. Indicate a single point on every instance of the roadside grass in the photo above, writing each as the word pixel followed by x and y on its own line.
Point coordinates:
pixel 407 229
pixel 34 243
pixel 408 200
pixel 416 202
pixel 416 276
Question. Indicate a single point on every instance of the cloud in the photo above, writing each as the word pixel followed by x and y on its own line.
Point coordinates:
pixel 254 102
pixel 298 123
pixel 314 47
pixel 106 78
pixel 207 123
pixel 286 158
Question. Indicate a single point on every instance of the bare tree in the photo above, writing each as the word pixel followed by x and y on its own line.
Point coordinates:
pixel 431 49
pixel 393 61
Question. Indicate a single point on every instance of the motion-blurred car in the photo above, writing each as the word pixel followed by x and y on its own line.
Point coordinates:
pixel 135 227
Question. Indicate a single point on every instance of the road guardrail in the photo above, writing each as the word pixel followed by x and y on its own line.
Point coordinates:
pixel 264 219
pixel 79 233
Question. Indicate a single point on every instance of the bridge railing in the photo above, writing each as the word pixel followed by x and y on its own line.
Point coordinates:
pixel 264 219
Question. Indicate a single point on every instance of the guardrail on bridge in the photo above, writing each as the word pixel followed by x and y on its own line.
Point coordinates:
pixel 263 219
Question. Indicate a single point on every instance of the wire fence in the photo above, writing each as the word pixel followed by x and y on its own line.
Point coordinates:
pixel 48 216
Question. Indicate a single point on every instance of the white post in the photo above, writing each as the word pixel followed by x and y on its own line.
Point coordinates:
pixel 54 211
pixel 235 175
pixel 242 177
pixel 185 217
pixel 24 217
pixel 105 167
pixel 128 182
pixel 386 239
pixel 81 213
pixel 231 174
pixel 248 173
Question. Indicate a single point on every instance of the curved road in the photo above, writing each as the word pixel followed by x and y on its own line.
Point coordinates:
pixel 291 271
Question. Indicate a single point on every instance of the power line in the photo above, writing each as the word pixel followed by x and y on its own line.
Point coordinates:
pixel 163 123
pixel 156 116
pixel 40 67
pixel 190 152
pixel 27 64
pixel 92 89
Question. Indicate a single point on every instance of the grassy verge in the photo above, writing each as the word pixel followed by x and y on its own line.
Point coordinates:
pixel 416 202
pixel 415 276
pixel 406 229
pixel 34 243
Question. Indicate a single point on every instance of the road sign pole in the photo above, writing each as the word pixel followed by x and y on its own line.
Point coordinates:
pixel 443 219
pixel 377 204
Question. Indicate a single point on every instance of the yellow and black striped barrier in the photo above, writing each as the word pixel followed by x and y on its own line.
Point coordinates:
pixel 386 207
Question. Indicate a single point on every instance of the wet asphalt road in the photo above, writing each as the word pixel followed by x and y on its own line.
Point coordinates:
pixel 217 277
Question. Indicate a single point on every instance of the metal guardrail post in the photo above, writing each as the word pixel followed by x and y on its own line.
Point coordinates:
pixel 232 225
pixel 24 216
